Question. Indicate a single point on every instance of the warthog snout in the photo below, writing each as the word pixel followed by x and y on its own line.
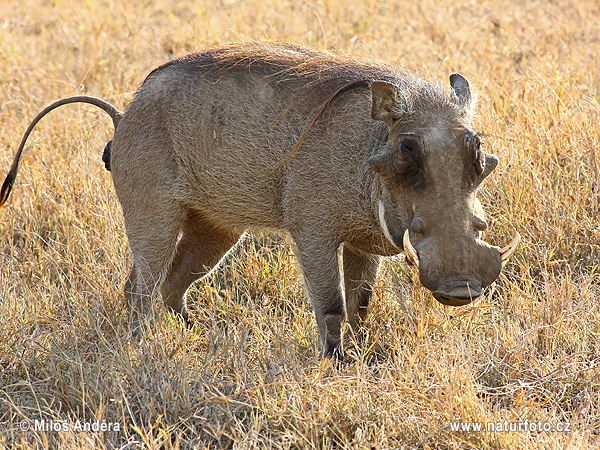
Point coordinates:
pixel 484 265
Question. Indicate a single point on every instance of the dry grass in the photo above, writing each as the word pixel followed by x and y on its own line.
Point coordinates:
pixel 248 374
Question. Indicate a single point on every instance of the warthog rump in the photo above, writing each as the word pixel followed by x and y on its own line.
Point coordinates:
pixel 338 152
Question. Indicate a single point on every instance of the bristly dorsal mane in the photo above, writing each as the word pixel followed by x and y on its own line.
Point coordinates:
pixel 286 63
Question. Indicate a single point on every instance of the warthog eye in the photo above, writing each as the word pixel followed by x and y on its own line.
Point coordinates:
pixel 408 145
pixel 400 162
pixel 409 163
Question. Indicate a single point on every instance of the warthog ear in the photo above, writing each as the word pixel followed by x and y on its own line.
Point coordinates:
pixel 462 89
pixel 385 102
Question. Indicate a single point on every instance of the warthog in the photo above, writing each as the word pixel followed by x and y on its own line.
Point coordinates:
pixel 342 154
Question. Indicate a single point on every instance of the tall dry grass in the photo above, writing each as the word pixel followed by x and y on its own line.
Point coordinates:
pixel 248 374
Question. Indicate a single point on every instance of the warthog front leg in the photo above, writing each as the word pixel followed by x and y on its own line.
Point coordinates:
pixel 360 272
pixel 321 271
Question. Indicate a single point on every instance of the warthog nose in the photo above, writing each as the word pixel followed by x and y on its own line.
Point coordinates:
pixel 458 293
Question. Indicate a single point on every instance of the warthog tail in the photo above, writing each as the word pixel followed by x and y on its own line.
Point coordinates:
pixel 113 112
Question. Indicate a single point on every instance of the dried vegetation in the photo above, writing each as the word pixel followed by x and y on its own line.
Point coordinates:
pixel 248 374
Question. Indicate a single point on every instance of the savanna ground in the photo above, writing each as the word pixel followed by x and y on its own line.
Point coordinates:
pixel 248 374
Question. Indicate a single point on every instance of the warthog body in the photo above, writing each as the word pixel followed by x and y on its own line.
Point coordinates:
pixel 338 153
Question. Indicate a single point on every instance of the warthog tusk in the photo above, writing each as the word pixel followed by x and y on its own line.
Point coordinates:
pixel 511 248
pixel 410 251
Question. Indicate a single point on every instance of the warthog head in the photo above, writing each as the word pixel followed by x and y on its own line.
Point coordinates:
pixel 430 168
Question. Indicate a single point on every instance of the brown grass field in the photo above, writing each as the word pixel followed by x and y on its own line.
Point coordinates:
pixel 248 374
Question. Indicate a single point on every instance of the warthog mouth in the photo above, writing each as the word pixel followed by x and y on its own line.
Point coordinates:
pixel 458 291
pixel 452 301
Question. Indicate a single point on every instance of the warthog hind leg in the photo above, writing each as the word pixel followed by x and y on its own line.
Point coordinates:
pixel 200 249
pixel 152 235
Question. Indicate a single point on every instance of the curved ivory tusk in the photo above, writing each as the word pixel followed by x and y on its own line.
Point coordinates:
pixel 511 248
pixel 410 251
